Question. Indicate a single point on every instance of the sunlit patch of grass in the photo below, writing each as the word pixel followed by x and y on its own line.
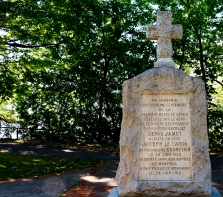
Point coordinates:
pixel 36 160
pixel 2 166
pixel 14 166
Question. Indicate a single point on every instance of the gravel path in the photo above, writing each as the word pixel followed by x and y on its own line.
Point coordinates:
pixel 45 150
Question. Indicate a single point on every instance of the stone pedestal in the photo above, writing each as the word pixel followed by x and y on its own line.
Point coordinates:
pixel 164 141
pixel 114 192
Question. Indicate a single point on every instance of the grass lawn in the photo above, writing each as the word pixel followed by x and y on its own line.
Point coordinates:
pixel 13 166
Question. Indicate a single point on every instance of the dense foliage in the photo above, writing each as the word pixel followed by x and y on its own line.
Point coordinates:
pixel 63 62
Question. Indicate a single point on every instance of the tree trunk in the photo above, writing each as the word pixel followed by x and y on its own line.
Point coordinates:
pixel 201 58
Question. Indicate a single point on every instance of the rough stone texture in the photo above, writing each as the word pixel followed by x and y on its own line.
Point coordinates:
pixel 163 80
pixel 164 32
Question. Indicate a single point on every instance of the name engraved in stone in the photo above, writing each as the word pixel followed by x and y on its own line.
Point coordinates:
pixel 165 139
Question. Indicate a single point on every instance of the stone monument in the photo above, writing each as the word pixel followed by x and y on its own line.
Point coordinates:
pixel 164 143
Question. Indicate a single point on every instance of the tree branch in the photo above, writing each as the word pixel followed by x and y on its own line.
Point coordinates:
pixel 218 82
pixel 29 46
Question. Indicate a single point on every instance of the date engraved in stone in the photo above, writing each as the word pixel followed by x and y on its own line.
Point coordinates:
pixel 165 139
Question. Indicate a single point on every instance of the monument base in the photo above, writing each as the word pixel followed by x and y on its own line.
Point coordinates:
pixel 114 192
pixel 163 141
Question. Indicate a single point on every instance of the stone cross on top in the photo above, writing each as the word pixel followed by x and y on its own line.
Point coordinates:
pixel 164 32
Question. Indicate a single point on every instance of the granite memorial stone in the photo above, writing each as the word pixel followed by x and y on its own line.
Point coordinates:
pixel 164 149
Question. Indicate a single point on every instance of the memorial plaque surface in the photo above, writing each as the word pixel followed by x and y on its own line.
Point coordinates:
pixel 165 138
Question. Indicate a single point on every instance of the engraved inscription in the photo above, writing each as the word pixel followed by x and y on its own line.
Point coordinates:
pixel 165 140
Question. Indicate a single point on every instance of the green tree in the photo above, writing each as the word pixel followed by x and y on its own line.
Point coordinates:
pixel 7 112
pixel 64 61
pixel 200 51
pixel 72 58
